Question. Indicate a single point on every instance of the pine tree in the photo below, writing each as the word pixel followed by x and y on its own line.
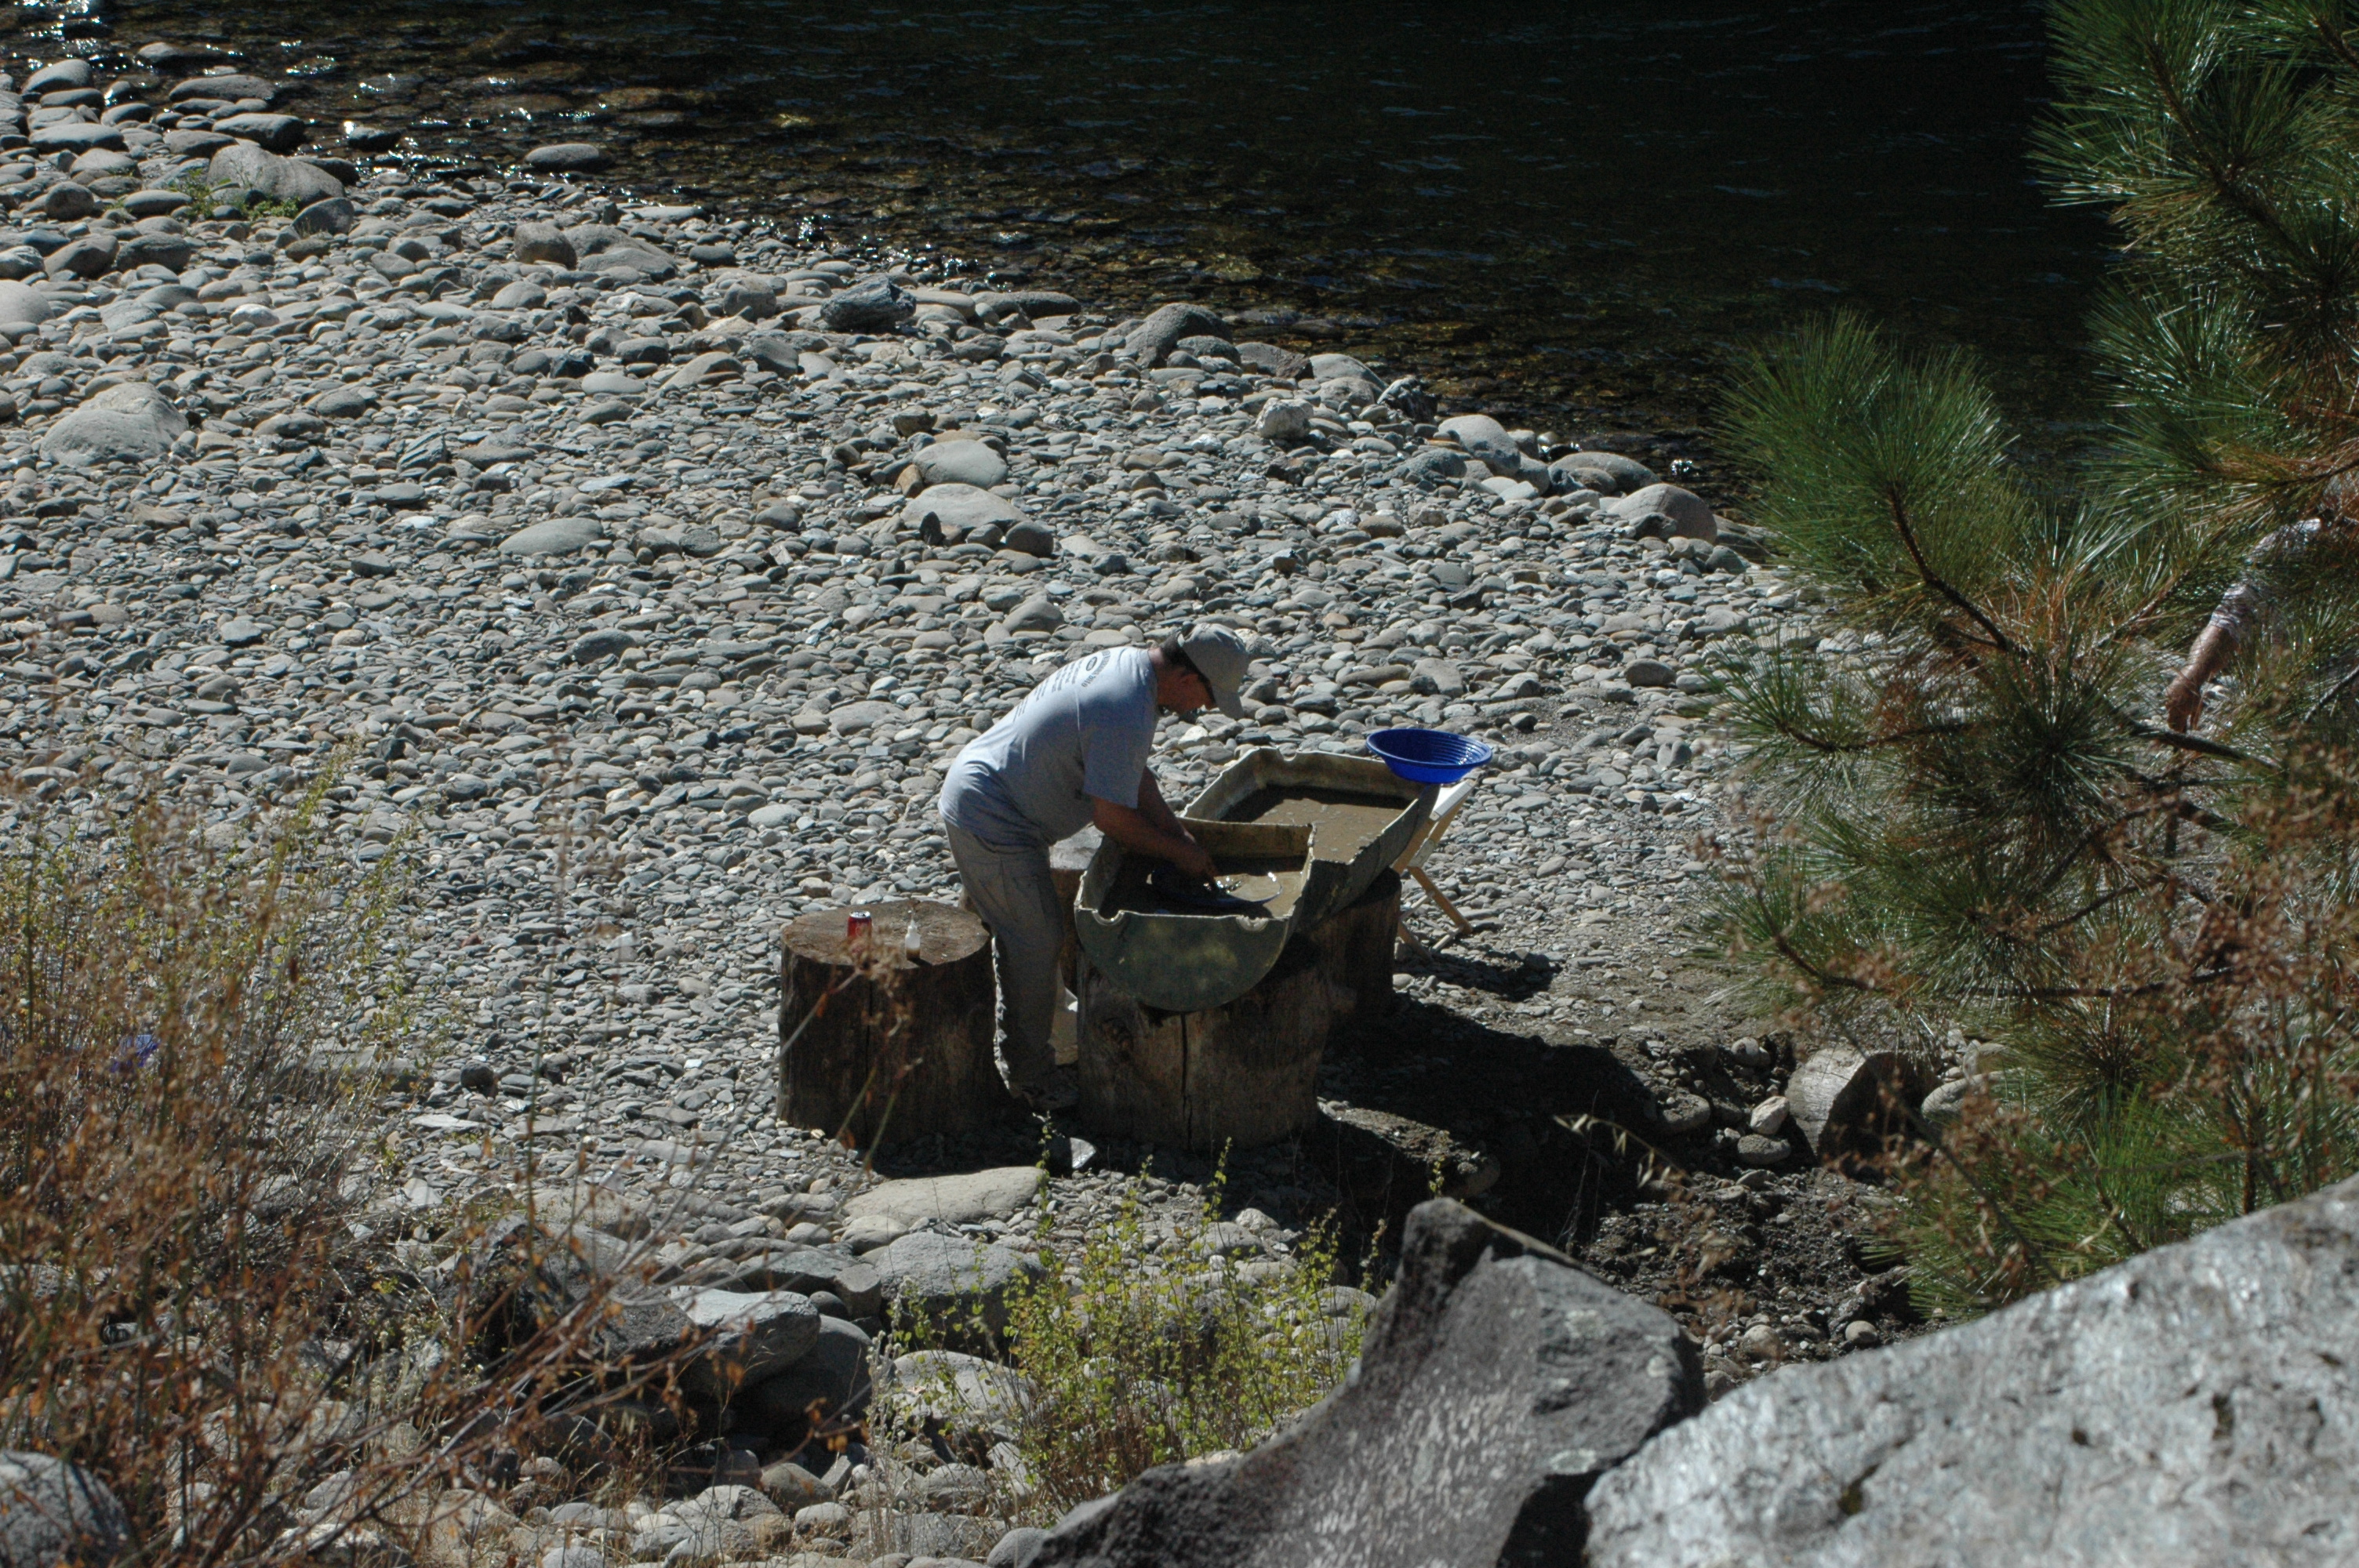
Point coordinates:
pixel 1981 813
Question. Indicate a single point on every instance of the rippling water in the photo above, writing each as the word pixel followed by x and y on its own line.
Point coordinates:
pixel 1575 211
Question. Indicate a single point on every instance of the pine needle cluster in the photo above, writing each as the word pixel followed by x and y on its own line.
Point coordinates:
pixel 1970 810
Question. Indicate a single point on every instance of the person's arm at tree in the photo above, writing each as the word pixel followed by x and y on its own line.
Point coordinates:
pixel 1152 830
pixel 2182 701
pixel 2241 611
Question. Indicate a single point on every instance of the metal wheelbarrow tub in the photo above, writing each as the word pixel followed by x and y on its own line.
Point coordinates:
pixel 1359 820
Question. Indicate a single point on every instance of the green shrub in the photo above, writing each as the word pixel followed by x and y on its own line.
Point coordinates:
pixel 1143 1350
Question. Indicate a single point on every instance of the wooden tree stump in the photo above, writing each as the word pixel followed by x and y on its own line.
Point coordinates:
pixel 1247 1072
pixel 898 1049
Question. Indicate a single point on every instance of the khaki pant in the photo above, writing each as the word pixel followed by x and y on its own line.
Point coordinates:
pixel 1017 899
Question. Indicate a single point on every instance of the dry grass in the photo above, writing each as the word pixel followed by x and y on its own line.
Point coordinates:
pixel 192 1041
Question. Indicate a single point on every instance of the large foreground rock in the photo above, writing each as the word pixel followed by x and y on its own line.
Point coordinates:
pixel 54 1513
pixel 2195 1406
pixel 1496 1383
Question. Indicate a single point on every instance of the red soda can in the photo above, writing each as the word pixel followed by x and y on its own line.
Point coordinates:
pixel 857 925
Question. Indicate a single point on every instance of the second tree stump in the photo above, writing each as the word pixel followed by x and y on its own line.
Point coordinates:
pixel 1245 1073
pixel 898 1049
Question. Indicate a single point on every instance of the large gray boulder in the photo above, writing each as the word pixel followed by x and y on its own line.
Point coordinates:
pixel 952 1280
pixel 1852 1102
pixel 23 305
pixel 751 1337
pixel 1497 1382
pixel 2193 1406
pixel 878 305
pixel 1608 473
pixel 962 1199
pixel 602 248
pixel 832 1374
pixel 54 1513
pixel 555 536
pixel 131 422
pixel 1155 336
pixel 264 172
pixel 961 462
pixel 959 511
pixel 1665 512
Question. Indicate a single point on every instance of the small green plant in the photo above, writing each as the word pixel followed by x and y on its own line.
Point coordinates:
pixel 202 194
pixel 205 201
pixel 1148 1347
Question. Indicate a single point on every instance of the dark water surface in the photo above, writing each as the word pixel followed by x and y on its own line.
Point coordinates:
pixel 1574 212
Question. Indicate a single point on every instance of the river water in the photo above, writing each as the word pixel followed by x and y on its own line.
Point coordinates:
pixel 1573 213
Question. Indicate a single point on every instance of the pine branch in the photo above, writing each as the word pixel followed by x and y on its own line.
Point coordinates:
pixel 1899 506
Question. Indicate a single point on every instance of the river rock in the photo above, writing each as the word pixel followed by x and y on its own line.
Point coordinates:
pixel 1496 1383
pixel 1845 1101
pixel 937 1539
pixel 172 252
pixel 132 422
pixel 2180 1407
pixel 265 173
pixel 950 1280
pixel 1486 438
pixel 542 242
pixel 92 256
pixel 810 1269
pixel 68 202
pixel 746 298
pixel 1035 614
pixel 1284 421
pixel 76 136
pixel 958 510
pixel 332 216
pixel 63 76
pixel 1608 473
pixel 1155 336
pixel 229 86
pixel 602 248
pixel 1665 512
pixel 833 1371
pixel 1034 302
pixel 878 305
pixel 557 536
pixel 54 1515
pixel 567 158
pixel 961 462
pixel 753 1338
pixel 279 132
pixel 23 305
pixel 965 1395
pixel 953 1200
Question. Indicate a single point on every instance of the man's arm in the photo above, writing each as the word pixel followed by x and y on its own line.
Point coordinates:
pixel 1152 830
pixel 2182 701
pixel 2241 611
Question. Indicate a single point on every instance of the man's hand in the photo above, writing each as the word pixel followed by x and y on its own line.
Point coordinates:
pixel 1196 862
pixel 1134 831
pixel 2183 701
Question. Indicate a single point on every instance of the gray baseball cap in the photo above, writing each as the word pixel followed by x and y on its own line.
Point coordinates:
pixel 1220 657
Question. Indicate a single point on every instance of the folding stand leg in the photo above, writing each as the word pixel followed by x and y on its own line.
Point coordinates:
pixel 1465 926
pixel 1410 937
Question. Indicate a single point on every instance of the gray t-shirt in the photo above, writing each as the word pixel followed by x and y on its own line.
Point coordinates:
pixel 1082 733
